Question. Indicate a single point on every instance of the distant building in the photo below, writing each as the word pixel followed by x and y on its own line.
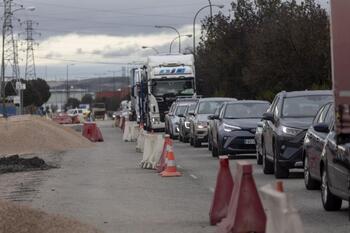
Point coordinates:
pixel 59 96
pixel 121 93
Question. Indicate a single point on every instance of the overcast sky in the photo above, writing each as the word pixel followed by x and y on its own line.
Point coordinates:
pixel 97 35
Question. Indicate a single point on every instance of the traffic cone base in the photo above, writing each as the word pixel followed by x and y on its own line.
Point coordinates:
pixel 170 170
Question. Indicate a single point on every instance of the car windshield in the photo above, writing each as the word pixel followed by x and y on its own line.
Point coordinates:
pixel 245 110
pixel 304 106
pixel 180 110
pixel 172 87
pixel 209 107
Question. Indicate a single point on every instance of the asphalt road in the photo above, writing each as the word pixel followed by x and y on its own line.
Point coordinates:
pixel 104 187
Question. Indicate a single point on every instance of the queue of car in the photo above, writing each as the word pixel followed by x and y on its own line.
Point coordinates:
pixel 296 131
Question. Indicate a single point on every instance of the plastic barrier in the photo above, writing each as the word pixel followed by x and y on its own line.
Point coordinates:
pixel 170 170
pixel 161 165
pixel 282 217
pixel 127 132
pixel 223 192
pixel 245 212
pixel 140 141
pixel 123 124
pixel 92 132
pixel 135 131
pixel 152 150
pixel 117 121
pixel 75 120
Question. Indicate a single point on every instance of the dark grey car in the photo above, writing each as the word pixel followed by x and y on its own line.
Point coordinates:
pixel 234 129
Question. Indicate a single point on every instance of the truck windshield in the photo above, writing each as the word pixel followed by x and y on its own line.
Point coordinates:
pixel 172 87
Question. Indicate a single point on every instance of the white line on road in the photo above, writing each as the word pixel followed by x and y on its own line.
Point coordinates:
pixel 194 177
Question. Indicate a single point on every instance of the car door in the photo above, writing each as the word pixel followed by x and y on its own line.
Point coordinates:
pixel 270 128
pixel 216 124
pixel 317 140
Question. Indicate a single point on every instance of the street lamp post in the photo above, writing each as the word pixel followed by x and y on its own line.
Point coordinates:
pixel 7 16
pixel 194 23
pixel 67 82
pixel 171 44
pixel 154 49
pixel 170 27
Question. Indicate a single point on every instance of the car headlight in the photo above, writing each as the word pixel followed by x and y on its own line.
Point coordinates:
pixel 155 120
pixel 187 124
pixel 290 131
pixel 202 125
pixel 230 128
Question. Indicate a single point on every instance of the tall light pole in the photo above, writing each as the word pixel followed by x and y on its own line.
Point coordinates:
pixel 7 22
pixel 171 44
pixel 154 49
pixel 194 23
pixel 67 81
pixel 178 33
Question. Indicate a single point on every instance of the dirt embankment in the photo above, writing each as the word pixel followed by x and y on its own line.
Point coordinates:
pixel 32 134
pixel 21 219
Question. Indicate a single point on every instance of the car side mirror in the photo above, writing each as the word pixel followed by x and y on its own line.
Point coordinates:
pixel 260 124
pixel 322 128
pixel 191 113
pixel 268 117
pixel 181 115
pixel 166 112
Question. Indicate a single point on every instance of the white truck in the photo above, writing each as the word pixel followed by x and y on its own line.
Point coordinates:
pixel 164 79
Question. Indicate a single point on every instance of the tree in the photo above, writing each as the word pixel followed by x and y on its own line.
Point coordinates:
pixel 87 99
pixel 268 46
pixel 72 103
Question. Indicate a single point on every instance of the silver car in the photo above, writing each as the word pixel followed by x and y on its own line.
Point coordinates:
pixel 199 122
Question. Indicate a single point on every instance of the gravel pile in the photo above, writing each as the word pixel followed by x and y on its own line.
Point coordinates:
pixel 15 163
pixel 20 219
pixel 32 134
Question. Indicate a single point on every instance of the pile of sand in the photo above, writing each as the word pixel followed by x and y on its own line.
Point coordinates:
pixel 21 219
pixel 32 134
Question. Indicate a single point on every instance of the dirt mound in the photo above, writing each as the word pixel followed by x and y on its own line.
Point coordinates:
pixel 32 134
pixel 16 164
pixel 20 219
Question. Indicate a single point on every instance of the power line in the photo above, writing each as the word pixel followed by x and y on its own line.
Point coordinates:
pixel 85 62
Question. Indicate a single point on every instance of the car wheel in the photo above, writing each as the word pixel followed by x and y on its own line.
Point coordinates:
pixel 191 141
pixel 210 145
pixel 180 138
pixel 267 164
pixel 329 200
pixel 310 183
pixel 280 171
pixel 196 143
pixel 259 159
pixel 214 152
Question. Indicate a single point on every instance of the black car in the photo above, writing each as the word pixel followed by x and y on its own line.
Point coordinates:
pixel 258 145
pixel 234 129
pixel 313 146
pixel 335 169
pixel 288 119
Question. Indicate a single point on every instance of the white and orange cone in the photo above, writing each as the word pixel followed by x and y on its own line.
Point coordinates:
pixel 170 170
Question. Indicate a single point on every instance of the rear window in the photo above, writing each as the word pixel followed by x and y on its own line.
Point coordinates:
pixel 208 107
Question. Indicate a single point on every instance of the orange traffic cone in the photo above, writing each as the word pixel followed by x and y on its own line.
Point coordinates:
pixel 141 125
pixel 279 186
pixel 170 169
pixel 161 165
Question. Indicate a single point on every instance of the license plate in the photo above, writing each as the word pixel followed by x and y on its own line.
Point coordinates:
pixel 249 141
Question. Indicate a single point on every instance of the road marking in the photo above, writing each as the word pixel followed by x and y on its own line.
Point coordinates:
pixel 179 166
pixel 211 189
pixel 194 177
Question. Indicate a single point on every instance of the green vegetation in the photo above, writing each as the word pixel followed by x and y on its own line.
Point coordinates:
pixel 265 47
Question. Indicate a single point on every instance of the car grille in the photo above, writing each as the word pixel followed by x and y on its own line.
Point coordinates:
pixel 238 143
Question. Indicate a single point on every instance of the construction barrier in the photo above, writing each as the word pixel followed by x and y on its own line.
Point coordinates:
pixel 161 165
pixel 92 132
pixel 223 192
pixel 123 124
pixel 117 121
pixel 127 132
pixel 282 217
pixel 131 131
pixel 245 212
pixel 153 146
pixel 140 141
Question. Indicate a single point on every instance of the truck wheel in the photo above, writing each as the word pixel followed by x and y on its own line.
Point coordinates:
pixel 329 200
pixel 214 152
pixel 310 183
pixel 191 141
pixel 210 145
pixel 267 164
